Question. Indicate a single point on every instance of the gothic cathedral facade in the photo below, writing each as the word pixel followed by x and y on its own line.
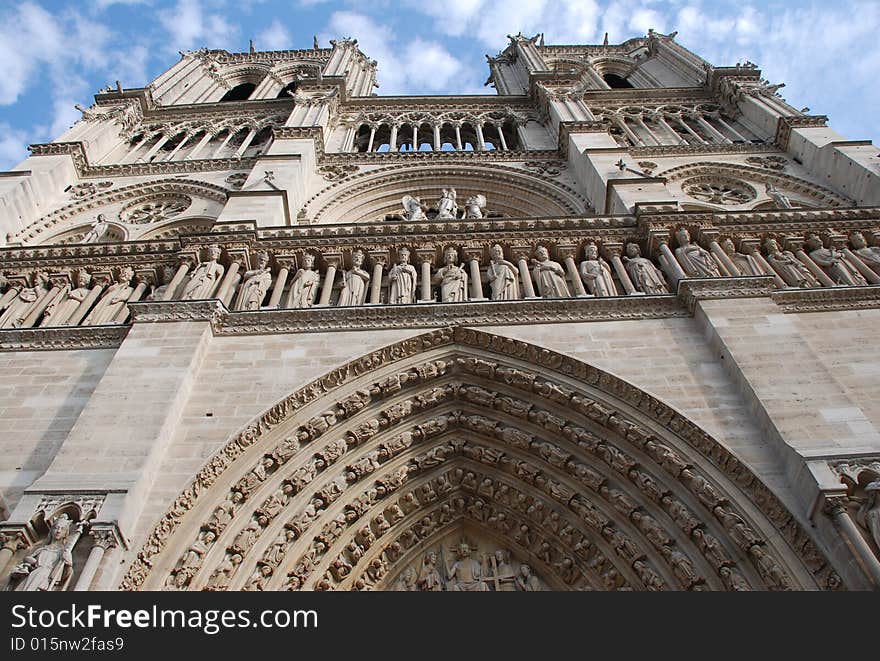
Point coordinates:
pixel 612 328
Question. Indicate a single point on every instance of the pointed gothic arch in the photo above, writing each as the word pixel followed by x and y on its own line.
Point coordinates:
pixel 351 480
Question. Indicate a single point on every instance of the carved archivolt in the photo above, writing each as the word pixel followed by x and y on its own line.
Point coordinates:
pixel 596 484
pixel 812 194
pixel 369 196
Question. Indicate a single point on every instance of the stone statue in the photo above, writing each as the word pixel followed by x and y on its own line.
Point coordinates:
pixel 452 278
pixel 505 574
pixel 112 303
pixel 780 200
pixel 304 287
pixel 645 276
pixel 354 282
pixel 746 264
pixel 474 206
pixel 697 262
pixel 503 276
pixel 402 277
pixel 789 267
pixel 222 576
pixel 49 567
pixel 159 292
pixel 407 581
pixel 526 581
pixel 869 513
pixel 549 275
pixel 466 574
pixel 429 579
pixel 447 209
pixel 255 284
pixel 205 278
pixel 67 301
pixel 870 255
pixel 412 208
pixel 596 273
pixel 834 263
pixel 98 230
pixel 19 308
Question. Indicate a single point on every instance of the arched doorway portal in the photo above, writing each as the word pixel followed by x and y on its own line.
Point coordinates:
pixel 463 460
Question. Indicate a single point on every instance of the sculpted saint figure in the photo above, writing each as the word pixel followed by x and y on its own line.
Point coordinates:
pixel 205 278
pixel 354 282
pixel 549 275
pixel 159 292
pixel 447 208
pixel 869 513
pixel 466 574
pixel 304 287
pixel 789 267
pixel 870 255
pixel 696 261
pixel 98 230
pixel 474 206
pixel 50 566
pixel 596 273
pixel 412 208
pixel 645 276
pixel 746 264
pixel 526 581
pixel 833 262
pixel 452 278
pixel 780 200
pixel 429 578
pixel 67 301
pixel 111 305
pixel 505 574
pixel 23 303
pixel 403 280
pixel 503 276
pixel 255 284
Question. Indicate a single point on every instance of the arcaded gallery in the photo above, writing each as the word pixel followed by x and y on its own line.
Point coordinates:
pixel 611 328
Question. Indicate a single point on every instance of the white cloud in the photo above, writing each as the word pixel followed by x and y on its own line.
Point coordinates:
pixel 12 146
pixel 191 27
pixel 275 37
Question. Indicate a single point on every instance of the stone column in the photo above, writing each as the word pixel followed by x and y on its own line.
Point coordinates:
pixel 59 281
pixel 380 261
pixel 522 254
pixel 481 141
pixel 10 294
pixel 612 252
pixel 146 157
pixel 868 273
pixel 103 539
pixel 725 264
pixel 186 260
pixel 334 261
pixel 836 509
pixel 143 281
pixel 372 137
pixel 393 139
pixel 11 541
pixel 501 137
pixel 672 267
pixel 458 145
pixel 473 255
pixel 237 258
pixel 246 143
pixel 200 145
pixel 753 247
pixel 568 252
pixel 436 137
pixel 285 263
pixel 426 258
pixel 794 244
pixel 101 281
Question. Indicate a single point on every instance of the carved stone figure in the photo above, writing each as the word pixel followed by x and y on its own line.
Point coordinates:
pixel 834 263
pixel 205 279
pixel 222 576
pixel 354 282
pixel 407 581
pixel 304 286
pixel 158 293
pixel 466 573
pixel 549 275
pixel 474 206
pixel 447 209
pixel 49 567
pixel 596 273
pixel 67 301
pixel 255 284
pixel 870 255
pixel 746 264
pixel 23 303
pixel 111 305
pixel 869 513
pixel 504 573
pixel 412 208
pixel 402 277
pixel 645 277
pixel 452 278
pixel 779 199
pixel 789 267
pixel 97 231
pixel 526 581
pixel 697 262
pixel 503 276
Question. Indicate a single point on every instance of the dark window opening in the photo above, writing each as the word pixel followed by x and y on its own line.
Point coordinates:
pixel 287 91
pixel 616 82
pixel 239 92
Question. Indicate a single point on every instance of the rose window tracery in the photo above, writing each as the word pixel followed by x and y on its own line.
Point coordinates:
pixel 154 210
pixel 719 191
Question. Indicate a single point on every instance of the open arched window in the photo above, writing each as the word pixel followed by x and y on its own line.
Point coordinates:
pixel 287 91
pixel 616 82
pixel 240 92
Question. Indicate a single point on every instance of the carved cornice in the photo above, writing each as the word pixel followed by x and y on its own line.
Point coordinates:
pixel 827 299
pixel 442 156
pixel 687 150
pixel 786 124
pixel 167 167
pixel 52 339
pixel 160 311
pixel 693 290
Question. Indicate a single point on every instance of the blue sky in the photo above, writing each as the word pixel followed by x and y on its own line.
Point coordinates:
pixel 56 53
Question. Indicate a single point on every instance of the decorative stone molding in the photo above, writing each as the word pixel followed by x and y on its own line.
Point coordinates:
pixel 53 339
pixel 826 299
pixel 159 311
pixel 693 290
pixel 786 124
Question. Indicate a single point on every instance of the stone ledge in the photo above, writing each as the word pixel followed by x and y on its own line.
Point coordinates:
pixel 162 311
pixel 693 290
pixel 828 299
pixel 53 339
